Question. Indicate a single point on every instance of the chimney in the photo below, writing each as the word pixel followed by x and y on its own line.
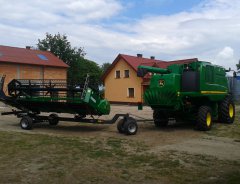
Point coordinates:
pixel 139 55
pixel 28 47
pixel 152 57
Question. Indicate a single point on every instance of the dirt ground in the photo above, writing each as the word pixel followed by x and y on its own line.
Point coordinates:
pixel 176 137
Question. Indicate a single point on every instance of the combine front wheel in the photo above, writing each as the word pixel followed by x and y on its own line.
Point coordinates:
pixel 227 111
pixel 204 119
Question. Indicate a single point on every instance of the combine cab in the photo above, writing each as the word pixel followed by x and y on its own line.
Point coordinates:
pixel 195 91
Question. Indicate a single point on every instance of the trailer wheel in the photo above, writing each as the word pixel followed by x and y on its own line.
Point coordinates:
pixel 26 123
pixel 120 126
pixel 160 118
pixel 53 119
pixel 204 119
pixel 130 126
pixel 226 111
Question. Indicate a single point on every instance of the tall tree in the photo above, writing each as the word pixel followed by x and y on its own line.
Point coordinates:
pixel 60 46
pixel 74 57
pixel 79 70
pixel 105 66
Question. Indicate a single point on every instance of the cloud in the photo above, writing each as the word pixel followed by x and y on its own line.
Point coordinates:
pixel 226 53
pixel 209 31
pixel 225 57
pixel 39 13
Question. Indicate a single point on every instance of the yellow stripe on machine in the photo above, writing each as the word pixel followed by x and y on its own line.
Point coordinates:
pixel 213 92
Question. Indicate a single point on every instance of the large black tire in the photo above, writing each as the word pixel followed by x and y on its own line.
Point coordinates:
pixel 120 126
pixel 26 123
pixel 130 126
pixel 53 119
pixel 204 119
pixel 226 111
pixel 160 118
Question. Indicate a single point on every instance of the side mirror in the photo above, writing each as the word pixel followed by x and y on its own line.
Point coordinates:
pixel 228 70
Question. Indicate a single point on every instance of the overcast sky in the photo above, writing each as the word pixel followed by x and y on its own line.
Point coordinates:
pixel 166 29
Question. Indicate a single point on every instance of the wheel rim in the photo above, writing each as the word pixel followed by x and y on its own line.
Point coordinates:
pixel 231 110
pixel 209 119
pixel 24 124
pixel 132 128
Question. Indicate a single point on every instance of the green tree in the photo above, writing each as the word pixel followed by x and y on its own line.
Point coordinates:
pixel 105 66
pixel 79 67
pixel 61 47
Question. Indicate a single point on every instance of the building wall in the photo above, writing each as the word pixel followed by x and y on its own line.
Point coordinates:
pixel 55 73
pixel 29 72
pixel 19 71
pixel 10 70
pixel 116 90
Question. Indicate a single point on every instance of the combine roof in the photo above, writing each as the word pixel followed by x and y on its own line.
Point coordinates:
pixel 29 56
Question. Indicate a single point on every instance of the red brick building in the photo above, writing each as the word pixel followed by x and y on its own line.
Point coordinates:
pixel 25 63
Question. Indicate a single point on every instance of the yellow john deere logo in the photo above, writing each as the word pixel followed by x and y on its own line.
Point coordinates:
pixel 161 82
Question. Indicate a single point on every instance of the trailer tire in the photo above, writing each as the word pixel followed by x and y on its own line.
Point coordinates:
pixel 120 126
pixel 226 111
pixel 53 119
pixel 204 119
pixel 130 126
pixel 160 119
pixel 26 123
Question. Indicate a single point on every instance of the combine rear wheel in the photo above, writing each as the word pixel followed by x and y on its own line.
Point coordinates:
pixel 226 111
pixel 160 119
pixel 26 123
pixel 204 119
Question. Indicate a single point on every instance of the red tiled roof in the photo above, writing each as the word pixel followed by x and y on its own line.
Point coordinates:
pixel 134 62
pixel 28 56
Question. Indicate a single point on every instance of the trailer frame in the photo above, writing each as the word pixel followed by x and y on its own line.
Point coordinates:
pixel 127 124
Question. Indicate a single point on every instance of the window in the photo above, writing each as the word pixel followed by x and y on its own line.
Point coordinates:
pixel 131 92
pixel 117 74
pixel 42 57
pixel 126 73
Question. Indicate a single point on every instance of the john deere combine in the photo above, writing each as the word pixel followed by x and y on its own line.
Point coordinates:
pixel 195 91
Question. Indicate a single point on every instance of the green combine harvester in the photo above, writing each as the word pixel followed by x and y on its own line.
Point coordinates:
pixel 197 91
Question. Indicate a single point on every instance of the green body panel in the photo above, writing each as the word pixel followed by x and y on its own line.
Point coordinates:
pixel 96 102
pixel 166 92
pixel 92 103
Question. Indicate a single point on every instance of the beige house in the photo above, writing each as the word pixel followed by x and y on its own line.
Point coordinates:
pixel 121 82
